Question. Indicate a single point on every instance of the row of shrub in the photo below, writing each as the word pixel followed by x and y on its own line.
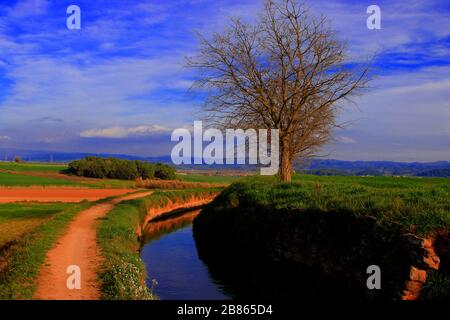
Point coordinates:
pixel 113 168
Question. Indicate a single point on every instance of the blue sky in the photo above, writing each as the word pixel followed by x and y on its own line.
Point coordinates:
pixel 118 85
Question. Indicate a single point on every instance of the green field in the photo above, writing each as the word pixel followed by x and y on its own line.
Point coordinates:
pixel 13 175
pixel 376 181
pixel 10 175
pixel 13 211
pixel 13 179
pixel 424 202
pixel 18 180
pixel 31 167
pixel 420 204
pixel 29 231
pixel 18 219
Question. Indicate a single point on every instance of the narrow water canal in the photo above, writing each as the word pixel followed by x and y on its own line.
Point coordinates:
pixel 171 258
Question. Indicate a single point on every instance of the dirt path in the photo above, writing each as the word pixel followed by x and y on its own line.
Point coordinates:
pixel 77 247
pixel 60 194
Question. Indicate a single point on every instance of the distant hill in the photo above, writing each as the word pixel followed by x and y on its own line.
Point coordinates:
pixel 376 168
pixel 315 166
pixel 445 173
pixel 65 157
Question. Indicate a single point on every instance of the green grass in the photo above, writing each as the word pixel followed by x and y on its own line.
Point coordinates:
pixel 31 167
pixel 16 220
pixel 9 179
pixel 19 180
pixel 123 272
pixel 417 205
pixel 18 281
pixel 15 179
pixel 12 180
pixel 12 211
pixel 437 287
pixel 420 205
pixel 376 182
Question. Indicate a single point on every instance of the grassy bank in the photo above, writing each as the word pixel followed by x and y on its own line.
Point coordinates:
pixel 123 272
pixel 419 205
pixel 25 254
pixel 397 206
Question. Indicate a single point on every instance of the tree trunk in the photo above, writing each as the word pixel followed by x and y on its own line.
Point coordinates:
pixel 285 171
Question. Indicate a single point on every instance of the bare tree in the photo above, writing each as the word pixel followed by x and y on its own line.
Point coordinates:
pixel 287 71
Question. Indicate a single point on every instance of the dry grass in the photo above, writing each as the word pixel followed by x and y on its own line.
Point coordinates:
pixel 16 229
pixel 176 184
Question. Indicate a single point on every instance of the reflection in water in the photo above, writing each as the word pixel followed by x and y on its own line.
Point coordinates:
pixel 171 258
pixel 160 227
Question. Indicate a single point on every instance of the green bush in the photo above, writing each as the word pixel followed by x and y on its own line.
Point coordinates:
pixel 164 172
pixel 112 168
pixel 146 170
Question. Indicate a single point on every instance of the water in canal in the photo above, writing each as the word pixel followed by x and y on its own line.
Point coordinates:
pixel 171 258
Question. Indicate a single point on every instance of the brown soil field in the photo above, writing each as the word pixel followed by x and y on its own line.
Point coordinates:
pixel 64 194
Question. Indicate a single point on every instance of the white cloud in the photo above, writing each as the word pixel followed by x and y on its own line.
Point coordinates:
pixel 5 138
pixel 50 140
pixel 121 132
pixel 405 117
pixel 181 84
pixel 402 23
pixel 100 91
pixel 27 8
pixel 427 87
pixel 346 140
pixel 119 73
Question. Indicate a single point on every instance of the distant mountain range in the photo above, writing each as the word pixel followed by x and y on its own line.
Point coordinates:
pixel 377 168
pixel 315 166
pixel 61 157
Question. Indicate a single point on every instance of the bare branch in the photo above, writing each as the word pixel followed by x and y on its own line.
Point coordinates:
pixel 288 71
